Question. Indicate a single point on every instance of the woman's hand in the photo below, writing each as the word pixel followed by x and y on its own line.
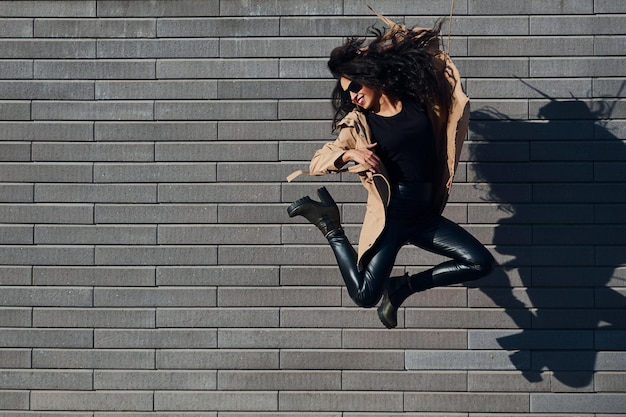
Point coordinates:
pixel 363 156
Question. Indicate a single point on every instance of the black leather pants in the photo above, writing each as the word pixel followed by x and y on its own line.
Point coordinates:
pixel 408 222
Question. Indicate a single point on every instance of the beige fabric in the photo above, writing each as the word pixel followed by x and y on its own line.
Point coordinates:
pixel 450 128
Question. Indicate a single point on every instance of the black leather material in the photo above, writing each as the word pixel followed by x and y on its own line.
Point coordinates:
pixel 409 222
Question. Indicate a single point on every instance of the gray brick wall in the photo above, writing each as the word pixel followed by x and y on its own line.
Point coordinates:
pixel 148 267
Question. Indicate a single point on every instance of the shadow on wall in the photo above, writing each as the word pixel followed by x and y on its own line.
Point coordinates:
pixel 561 181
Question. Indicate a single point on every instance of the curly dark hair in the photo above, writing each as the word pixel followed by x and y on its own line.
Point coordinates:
pixel 398 63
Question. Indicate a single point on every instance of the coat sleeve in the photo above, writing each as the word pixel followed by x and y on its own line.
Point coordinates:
pixel 324 160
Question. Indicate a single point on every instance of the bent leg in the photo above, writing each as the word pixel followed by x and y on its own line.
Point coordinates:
pixel 365 287
pixel 470 259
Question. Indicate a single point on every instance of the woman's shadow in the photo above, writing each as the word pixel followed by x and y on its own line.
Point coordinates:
pixel 552 183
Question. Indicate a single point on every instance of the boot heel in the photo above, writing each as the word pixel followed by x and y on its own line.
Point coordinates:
pixel 325 197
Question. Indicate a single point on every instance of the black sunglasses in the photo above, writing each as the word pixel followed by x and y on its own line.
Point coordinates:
pixel 354 87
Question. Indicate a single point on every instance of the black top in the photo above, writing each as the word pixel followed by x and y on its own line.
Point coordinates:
pixel 406 143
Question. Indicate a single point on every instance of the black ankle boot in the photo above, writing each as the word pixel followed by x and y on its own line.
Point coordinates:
pixel 324 214
pixel 388 310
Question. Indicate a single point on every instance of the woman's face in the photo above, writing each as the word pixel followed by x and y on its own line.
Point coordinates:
pixel 360 95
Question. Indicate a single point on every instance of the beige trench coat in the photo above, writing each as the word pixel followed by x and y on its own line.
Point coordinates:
pixel 450 128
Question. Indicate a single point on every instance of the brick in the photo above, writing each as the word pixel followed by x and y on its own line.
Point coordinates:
pixel 14 151
pixel 155 339
pixel 158 48
pixel 577 403
pixel 154 297
pixel 468 360
pixel 304 68
pixel 609 381
pixel 535 46
pixel 41 296
pixel 95 28
pixel 216 110
pixel 218 275
pixel 16 235
pixel 575 67
pixel 279 339
pixel 592 150
pixel 531 339
pixel 330 317
pixel 46 338
pixel 492 67
pixel 404 381
pixel 154 172
pixel 15 316
pixel 143 8
pixel 48 131
pixel 15 275
pixel 220 400
pixel 154 380
pixel 48 8
pixel 88 276
pixel 407 339
pixel 217 27
pixel 283 297
pixel 352 401
pixel 245 359
pixel 514 89
pixel 152 90
pixel 28 172
pixel 44 48
pixel 470 318
pixel 291 130
pixel 254 172
pixel 93 400
pixel 217 68
pixel 93 317
pixel 157 213
pixel 218 193
pixel 279 380
pixel 14 400
pixel 93 358
pixel 343 359
pixel 329 26
pixel 101 69
pixel 16 28
pixel 153 131
pixel 538 298
pixel 95 235
pixel 215 235
pixel 85 151
pixel 214 317
pixel 156 255
pixel 279 89
pixel 15 358
pixel 16 69
pixel 216 151
pixel 276 47
pixel 585 25
pixel 261 8
pixel 15 110
pixel 493 7
pixel 46 255
pixel 46 380
pixel 262 214
pixel 88 110
pixel 456 402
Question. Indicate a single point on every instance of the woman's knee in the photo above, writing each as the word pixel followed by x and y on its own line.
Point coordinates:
pixel 482 264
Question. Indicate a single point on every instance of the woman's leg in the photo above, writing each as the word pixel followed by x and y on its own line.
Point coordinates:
pixel 366 287
pixel 470 261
